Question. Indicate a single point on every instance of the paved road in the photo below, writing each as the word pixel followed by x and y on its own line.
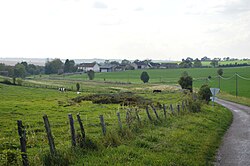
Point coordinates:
pixel 235 148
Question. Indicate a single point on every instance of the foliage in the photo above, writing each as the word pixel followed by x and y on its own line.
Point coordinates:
pixel 197 63
pixel 69 66
pixel 214 63
pixel 194 105
pixel 220 72
pixel 77 87
pixel 53 67
pixel 205 93
pixel 144 77
pixel 91 74
pixel 186 82
pixel 186 63
pixel 127 99
pixel 19 70
pixel 19 81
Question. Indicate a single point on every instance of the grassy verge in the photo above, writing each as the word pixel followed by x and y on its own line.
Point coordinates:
pixel 239 99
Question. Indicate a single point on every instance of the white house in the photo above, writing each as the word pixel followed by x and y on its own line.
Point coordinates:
pixel 89 66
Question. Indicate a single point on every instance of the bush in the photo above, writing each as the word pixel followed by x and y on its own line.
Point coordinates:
pixel 91 74
pixel 19 82
pixel 5 81
pixel 77 87
pixel 186 82
pixel 144 77
pixel 205 93
pixel 220 72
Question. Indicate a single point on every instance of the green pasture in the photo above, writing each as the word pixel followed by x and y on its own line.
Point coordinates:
pixel 171 76
pixel 207 63
pixel 184 139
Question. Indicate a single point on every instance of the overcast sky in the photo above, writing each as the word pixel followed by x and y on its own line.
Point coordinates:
pixel 125 29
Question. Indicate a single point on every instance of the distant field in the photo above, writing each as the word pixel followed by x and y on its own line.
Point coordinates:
pixel 227 62
pixel 171 76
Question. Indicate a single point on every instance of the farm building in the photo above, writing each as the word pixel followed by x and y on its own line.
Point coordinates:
pixel 88 66
pixel 107 68
pixel 140 65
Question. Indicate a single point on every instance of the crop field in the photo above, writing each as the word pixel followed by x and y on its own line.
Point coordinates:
pixel 171 76
pixel 184 138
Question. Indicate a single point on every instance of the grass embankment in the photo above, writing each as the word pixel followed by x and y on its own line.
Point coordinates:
pixel 186 139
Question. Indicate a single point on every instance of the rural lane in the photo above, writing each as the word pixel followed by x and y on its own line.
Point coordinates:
pixel 235 148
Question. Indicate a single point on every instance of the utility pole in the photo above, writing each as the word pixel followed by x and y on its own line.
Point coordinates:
pixel 236 74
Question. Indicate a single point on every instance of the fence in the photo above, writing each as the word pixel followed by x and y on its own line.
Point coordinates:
pixel 132 116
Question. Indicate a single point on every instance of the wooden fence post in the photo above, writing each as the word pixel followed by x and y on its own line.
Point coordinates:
pixel 22 137
pixel 149 117
pixel 72 130
pixel 128 118
pixel 156 114
pixel 119 120
pixel 103 125
pixel 183 106
pixel 137 116
pixel 81 127
pixel 49 134
pixel 171 108
pixel 178 108
pixel 164 110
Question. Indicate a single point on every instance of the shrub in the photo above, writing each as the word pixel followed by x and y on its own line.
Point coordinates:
pixel 5 81
pixel 186 82
pixel 91 74
pixel 77 86
pixel 19 82
pixel 220 72
pixel 144 77
pixel 205 93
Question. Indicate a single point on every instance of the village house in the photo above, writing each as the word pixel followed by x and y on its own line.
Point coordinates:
pixel 88 66
pixel 107 68
pixel 140 65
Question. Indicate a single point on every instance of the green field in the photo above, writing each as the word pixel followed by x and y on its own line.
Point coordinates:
pixel 171 76
pixel 182 139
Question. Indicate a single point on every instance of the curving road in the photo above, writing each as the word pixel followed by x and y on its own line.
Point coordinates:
pixel 235 148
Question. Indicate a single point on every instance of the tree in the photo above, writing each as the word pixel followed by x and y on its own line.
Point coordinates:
pixel 125 62
pixel 144 77
pixel 19 71
pixel 205 93
pixel 91 74
pixel 53 67
pixel 186 82
pixel 77 87
pixel 214 63
pixel 197 63
pixel 186 63
pixel 220 72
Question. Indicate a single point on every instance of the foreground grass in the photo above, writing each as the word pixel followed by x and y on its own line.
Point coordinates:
pixel 186 139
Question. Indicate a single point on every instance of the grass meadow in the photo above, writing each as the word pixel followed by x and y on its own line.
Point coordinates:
pixel 171 76
pixel 181 139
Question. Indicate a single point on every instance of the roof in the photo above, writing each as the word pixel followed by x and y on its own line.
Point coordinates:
pixel 140 63
pixel 106 66
pixel 87 64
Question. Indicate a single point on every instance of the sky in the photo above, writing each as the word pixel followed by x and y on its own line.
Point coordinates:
pixel 118 29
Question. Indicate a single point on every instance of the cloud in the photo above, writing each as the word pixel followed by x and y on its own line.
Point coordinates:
pixel 100 5
pixel 226 7
pixel 139 9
